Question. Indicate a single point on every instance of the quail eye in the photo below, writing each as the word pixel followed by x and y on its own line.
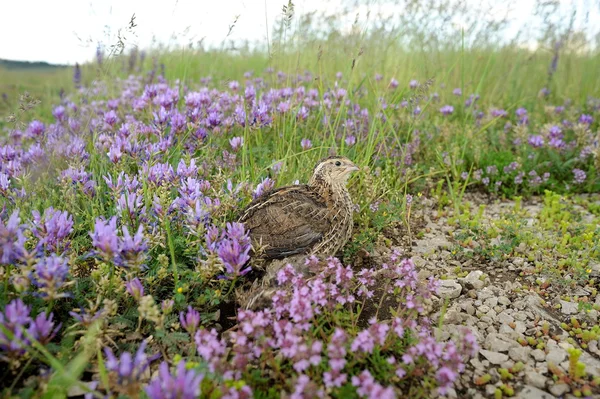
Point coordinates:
pixel 338 163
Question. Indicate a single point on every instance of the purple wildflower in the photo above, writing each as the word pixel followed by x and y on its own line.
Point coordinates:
pixel 447 110
pixel 350 140
pixel 127 368
pixel 393 83
pixel 135 288
pixel 413 84
pixel 536 141
pixel 183 384
pixel 305 144
pixel 42 328
pixel 579 176
pixel 586 119
pixel 50 275
pixel 263 187
pixel 234 256
pixel 14 320
pixel 236 143
pixel 12 239
pixel 457 92
pixel 498 113
pixel 190 320
pixel 52 228
pixel 104 237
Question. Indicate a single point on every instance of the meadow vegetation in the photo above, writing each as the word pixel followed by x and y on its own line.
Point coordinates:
pixel 121 181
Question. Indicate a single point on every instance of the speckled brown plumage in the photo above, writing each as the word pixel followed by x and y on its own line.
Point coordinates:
pixel 311 219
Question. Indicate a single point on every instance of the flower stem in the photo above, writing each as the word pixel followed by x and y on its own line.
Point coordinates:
pixel 172 252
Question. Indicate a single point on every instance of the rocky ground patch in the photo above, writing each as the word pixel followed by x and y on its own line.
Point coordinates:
pixel 536 321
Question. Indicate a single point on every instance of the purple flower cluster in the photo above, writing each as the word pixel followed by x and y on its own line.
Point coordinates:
pixel 52 229
pixel 18 327
pixel 182 384
pixel 579 176
pixel 12 239
pixel 232 245
pixel 127 251
pixel 287 330
pixel 50 274
pixel 128 369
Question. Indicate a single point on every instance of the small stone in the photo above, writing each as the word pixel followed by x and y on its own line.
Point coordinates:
pixel 449 289
pixel 505 318
pixel 520 327
pixel 476 363
pixel 519 305
pixel 495 344
pixel 535 379
pixel 568 307
pixel 593 346
pixel 592 316
pixel 470 309
pixel 520 316
pixel 556 356
pixel 484 309
pixel 531 392
pixel 507 330
pixel 473 280
pixel 491 302
pixel 489 390
pixel 484 294
pixel 519 353
pixel 559 389
pixel 502 300
pixel 538 355
pixel 494 357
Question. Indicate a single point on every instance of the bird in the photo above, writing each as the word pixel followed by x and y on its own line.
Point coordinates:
pixel 308 219
pixel 294 222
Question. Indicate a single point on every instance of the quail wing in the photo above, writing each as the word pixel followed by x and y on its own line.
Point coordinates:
pixel 288 221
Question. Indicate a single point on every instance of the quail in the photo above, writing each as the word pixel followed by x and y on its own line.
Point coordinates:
pixel 311 219
pixel 301 220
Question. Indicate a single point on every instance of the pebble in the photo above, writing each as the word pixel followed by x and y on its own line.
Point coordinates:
pixel 494 357
pixel 538 355
pixel 473 280
pixel 556 356
pixel 519 353
pixel 535 379
pixel 559 389
pixel 495 343
pixel 505 318
pixel 531 392
pixel 491 302
pixel 449 289
pixel 568 307
pixel 520 316
pixel 502 300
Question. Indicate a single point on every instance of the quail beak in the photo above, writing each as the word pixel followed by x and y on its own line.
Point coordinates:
pixel 353 168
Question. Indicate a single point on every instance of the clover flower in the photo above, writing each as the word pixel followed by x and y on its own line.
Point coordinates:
pixel 182 384
pixel 12 239
pixel 447 110
pixel 190 320
pixel 305 144
pixel 135 288
pixel 17 326
pixel 52 228
pixel 579 176
pixel 50 274
pixel 128 369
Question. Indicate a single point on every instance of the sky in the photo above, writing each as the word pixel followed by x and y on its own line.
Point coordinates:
pixel 68 31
